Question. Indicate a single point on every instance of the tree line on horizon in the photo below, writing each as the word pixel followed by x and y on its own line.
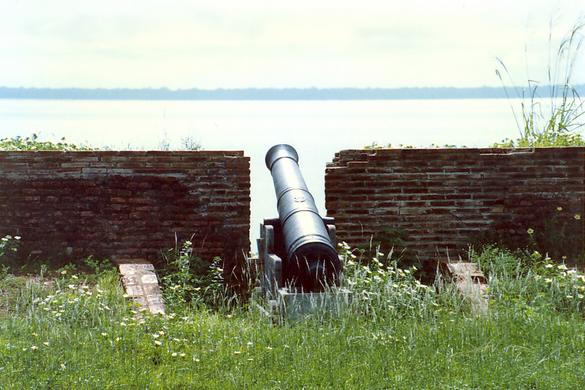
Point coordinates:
pixel 266 93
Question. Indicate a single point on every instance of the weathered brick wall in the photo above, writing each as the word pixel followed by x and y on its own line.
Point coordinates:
pixel 441 200
pixel 126 204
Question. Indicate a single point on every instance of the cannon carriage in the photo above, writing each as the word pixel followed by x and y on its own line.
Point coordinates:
pixel 300 265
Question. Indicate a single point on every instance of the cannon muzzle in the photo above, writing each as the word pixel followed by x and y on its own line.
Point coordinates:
pixel 312 261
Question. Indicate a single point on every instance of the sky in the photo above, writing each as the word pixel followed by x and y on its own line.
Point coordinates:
pixel 237 44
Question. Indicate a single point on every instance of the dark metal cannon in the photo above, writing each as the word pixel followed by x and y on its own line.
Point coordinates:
pixel 300 237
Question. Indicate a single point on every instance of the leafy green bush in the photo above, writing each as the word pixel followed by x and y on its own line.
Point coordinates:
pixel 189 280
pixel 33 143
pixel 98 266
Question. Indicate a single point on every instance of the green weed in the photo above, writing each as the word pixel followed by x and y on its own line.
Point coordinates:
pixel 33 143
pixel 189 280
pixel 558 122
pixel 75 331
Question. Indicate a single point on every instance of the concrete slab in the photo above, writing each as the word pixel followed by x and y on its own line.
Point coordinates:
pixel 471 283
pixel 141 284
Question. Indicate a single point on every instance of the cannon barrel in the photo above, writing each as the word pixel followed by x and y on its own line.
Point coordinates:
pixel 312 261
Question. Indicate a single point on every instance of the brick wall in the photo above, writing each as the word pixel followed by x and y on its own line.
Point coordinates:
pixel 440 200
pixel 125 204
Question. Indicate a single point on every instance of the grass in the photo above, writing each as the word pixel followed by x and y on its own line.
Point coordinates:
pixel 78 331
pixel 558 121
pixel 71 330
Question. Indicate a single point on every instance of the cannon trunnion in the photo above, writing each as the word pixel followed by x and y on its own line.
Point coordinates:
pixel 297 250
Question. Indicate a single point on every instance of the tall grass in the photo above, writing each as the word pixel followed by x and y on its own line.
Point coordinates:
pixel 557 122
pixel 79 331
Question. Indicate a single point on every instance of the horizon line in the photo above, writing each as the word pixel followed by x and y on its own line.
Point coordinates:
pixel 290 93
pixel 289 87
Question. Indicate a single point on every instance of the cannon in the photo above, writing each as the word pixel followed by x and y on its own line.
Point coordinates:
pixel 297 249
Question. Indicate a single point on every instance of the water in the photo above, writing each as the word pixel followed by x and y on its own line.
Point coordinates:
pixel 317 129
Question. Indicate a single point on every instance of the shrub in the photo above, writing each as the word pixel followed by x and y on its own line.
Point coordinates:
pixel 187 279
pixel 32 143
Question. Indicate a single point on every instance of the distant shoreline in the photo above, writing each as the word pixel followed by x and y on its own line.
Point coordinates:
pixel 264 94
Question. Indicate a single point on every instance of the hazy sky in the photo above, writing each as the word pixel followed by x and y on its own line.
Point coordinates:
pixel 185 44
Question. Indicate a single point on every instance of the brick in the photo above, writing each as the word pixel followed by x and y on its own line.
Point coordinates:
pixel 449 197
pixel 120 204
